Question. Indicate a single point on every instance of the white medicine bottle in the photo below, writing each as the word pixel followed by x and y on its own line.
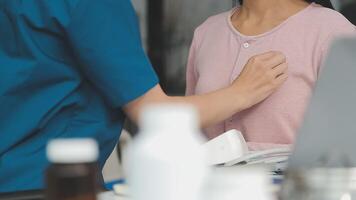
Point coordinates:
pixel 166 161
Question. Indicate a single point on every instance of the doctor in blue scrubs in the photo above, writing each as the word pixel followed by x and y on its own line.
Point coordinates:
pixel 76 68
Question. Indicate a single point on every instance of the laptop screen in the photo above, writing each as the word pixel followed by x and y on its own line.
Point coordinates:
pixel 327 137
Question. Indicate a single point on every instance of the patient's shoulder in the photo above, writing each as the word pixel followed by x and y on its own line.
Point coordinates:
pixel 214 24
pixel 322 24
pixel 215 20
pixel 328 19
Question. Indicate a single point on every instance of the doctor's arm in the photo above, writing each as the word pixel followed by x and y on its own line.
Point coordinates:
pixel 261 76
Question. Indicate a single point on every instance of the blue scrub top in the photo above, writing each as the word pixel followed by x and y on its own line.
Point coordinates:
pixel 66 69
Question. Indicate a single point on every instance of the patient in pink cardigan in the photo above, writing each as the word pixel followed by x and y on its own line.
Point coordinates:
pixel 223 44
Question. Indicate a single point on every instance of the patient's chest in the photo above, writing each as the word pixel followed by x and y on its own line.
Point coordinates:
pixel 218 63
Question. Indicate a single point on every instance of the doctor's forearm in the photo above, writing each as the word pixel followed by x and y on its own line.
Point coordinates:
pixel 216 106
pixel 213 107
pixel 261 76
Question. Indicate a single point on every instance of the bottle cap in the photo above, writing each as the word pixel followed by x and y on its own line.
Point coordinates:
pixel 173 117
pixel 72 151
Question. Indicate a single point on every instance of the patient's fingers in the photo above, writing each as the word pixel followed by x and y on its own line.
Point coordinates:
pixel 281 79
pixel 280 69
pixel 277 59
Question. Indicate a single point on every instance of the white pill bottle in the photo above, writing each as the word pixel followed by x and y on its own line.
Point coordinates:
pixel 166 161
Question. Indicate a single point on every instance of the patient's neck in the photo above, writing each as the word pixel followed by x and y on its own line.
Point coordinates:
pixel 258 16
pixel 271 9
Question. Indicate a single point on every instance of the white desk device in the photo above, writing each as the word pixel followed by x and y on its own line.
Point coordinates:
pixel 230 148
pixel 226 147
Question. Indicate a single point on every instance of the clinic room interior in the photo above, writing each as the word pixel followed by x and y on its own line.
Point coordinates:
pixel 177 100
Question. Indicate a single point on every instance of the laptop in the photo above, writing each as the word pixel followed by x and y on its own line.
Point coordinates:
pixel 327 137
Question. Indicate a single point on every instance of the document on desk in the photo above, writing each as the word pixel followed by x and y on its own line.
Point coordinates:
pixel 275 155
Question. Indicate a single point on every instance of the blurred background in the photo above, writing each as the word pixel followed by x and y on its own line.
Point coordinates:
pixel 167 28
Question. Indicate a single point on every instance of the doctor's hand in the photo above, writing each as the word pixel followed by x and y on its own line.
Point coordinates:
pixel 262 75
